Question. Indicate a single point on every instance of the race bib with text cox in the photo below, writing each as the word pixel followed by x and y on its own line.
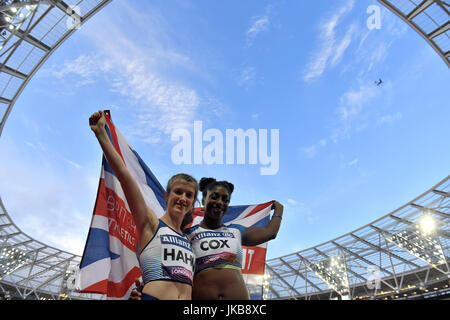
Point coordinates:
pixel 177 258
pixel 217 248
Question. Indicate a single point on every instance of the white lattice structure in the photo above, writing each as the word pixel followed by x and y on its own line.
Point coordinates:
pixel 430 18
pixel 396 255
pixel 30 31
pixel 403 254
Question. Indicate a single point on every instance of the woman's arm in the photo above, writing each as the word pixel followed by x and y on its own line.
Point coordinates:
pixel 145 219
pixel 257 235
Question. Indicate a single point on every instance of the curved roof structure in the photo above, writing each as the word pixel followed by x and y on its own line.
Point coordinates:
pixel 403 253
pixel 30 269
pixel 30 31
pixel 430 18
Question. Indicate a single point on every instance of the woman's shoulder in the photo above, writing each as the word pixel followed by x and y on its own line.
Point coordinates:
pixel 239 227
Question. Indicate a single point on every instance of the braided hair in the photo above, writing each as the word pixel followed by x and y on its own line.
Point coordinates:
pixel 207 184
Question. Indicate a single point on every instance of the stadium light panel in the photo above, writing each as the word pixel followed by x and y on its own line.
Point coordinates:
pixel 423 245
pixel 266 285
pixel 11 260
pixel 427 224
pixel 333 272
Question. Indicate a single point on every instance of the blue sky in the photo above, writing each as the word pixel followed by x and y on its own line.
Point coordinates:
pixel 349 151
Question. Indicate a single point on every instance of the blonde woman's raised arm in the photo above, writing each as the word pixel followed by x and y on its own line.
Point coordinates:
pixel 145 219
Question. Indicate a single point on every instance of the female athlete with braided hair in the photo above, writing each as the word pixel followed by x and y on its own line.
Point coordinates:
pixel 218 270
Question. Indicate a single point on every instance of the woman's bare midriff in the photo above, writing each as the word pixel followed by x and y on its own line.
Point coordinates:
pixel 219 284
pixel 168 290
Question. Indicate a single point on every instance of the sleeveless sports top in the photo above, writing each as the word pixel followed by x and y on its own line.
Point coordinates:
pixel 167 256
pixel 218 248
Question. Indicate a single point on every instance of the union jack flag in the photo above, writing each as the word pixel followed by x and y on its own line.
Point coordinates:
pixel 109 263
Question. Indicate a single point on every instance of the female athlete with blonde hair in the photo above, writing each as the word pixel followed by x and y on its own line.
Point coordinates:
pixel 164 252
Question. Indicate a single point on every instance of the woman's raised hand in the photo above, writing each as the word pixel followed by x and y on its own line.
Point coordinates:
pixel 277 206
pixel 97 122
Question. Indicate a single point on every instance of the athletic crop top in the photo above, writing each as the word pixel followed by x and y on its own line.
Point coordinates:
pixel 218 248
pixel 167 256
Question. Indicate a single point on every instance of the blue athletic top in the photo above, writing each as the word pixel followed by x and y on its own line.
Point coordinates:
pixel 167 256
pixel 218 248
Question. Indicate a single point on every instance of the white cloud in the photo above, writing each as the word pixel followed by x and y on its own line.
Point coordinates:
pixel 353 162
pixel 370 54
pixel 390 118
pixel 137 70
pixel 331 50
pixel 85 66
pixel 28 143
pixel 394 26
pixel 43 204
pixel 260 25
pixel 72 163
pixel 378 54
pixel 300 207
pixel 247 77
pixel 357 98
pixel 342 46
pixel 311 151
pixel 295 203
pixel 351 106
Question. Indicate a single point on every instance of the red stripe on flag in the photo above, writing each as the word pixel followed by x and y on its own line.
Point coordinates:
pixel 258 208
pixel 120 221
pixel 99 287
pixel 198 211
pixel 101 208
pixel 119 289
pixel 112 129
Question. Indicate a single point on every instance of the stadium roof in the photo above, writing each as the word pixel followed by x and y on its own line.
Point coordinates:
pixel 430 18
pixel 30 31
pixel 412 240
pixel 404 251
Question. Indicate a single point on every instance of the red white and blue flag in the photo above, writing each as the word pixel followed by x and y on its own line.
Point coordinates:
pixel 109 263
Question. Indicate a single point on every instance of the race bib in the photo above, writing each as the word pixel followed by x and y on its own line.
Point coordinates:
pixel 215 248
pixel 177 258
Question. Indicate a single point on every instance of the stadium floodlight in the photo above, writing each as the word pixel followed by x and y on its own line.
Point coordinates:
pixel 422 241
pixel 427 224
pixel 266 285
pixel 12 15
pixel 12 259
pixel 333 272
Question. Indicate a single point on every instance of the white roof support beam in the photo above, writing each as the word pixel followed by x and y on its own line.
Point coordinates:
pixel 444 28
pixel 419 9
pixel 13 72
pixel 61 5
pixel 32 40
pixel 409 16
pixel 297 273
